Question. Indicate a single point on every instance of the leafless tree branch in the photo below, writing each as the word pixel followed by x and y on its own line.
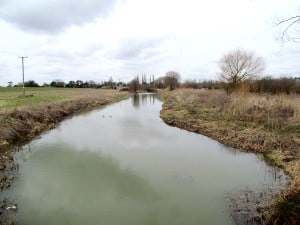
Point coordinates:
pixel 288 24
pixel 289 19
pixel 238 66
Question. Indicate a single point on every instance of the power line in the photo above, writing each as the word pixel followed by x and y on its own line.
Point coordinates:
pixel 23 57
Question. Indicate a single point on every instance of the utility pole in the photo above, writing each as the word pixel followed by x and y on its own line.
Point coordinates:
pixel 23 57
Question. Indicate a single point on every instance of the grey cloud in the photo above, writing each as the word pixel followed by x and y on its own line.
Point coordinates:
pixel 91 49
pixel 134 48
pixel 52 16
pixel 63 55
pixel 55 54
pixel 3 68
pixel 284 62
pixel 291 52
pixel 2 2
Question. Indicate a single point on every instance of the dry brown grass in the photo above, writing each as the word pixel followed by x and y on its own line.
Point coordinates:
pixel 287 209
pixel 275 110
pixel 267 124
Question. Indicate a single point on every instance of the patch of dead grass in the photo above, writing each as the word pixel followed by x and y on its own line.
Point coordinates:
pixel 268 124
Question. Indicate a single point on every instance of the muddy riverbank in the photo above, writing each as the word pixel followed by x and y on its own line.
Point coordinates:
pixel 24 123
pixel 266 125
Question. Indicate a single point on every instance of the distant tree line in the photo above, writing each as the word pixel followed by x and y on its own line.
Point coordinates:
pixel 30 83
pixel 285 85
pixel 209 84
pixel 71 84
pixel 239 71
pixel 267 84
pixel 141 83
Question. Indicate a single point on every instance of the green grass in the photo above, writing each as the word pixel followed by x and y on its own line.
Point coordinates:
pixel 24 117
pixel 13 97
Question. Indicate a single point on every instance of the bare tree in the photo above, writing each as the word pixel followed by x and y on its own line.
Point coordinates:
pixel 171 79
pixel 110 83
pixel 239 65
pixel 289 29
pixel 135 84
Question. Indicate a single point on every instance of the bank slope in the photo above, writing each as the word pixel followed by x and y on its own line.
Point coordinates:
pixel 24 122
pixel 268 125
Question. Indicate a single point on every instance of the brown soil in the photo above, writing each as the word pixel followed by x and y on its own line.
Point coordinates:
pixel 267 125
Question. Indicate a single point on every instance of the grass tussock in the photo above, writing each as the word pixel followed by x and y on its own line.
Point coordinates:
pixel 24 122
pixel 266 124
pixel 286 209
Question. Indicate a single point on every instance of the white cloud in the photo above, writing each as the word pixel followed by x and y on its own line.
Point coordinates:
pixel 52 16
pixel 138 36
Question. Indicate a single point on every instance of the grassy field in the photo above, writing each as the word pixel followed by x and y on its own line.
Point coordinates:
pixel 264 124
pixel 13 97
pixel 24 117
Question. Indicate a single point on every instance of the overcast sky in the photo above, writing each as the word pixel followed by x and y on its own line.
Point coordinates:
pixel 96 39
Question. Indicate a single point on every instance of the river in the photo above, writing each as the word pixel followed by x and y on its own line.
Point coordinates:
pixel 122 164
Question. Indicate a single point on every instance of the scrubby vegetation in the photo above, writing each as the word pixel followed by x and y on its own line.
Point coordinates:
pixel 261 123
pixel 283 85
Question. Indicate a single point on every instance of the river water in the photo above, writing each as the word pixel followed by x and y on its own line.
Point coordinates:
pixel 123 165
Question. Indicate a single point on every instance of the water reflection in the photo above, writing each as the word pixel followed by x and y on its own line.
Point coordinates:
pixel 144 98
pixel 123 165
pixel 77 186
pixel 136 101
